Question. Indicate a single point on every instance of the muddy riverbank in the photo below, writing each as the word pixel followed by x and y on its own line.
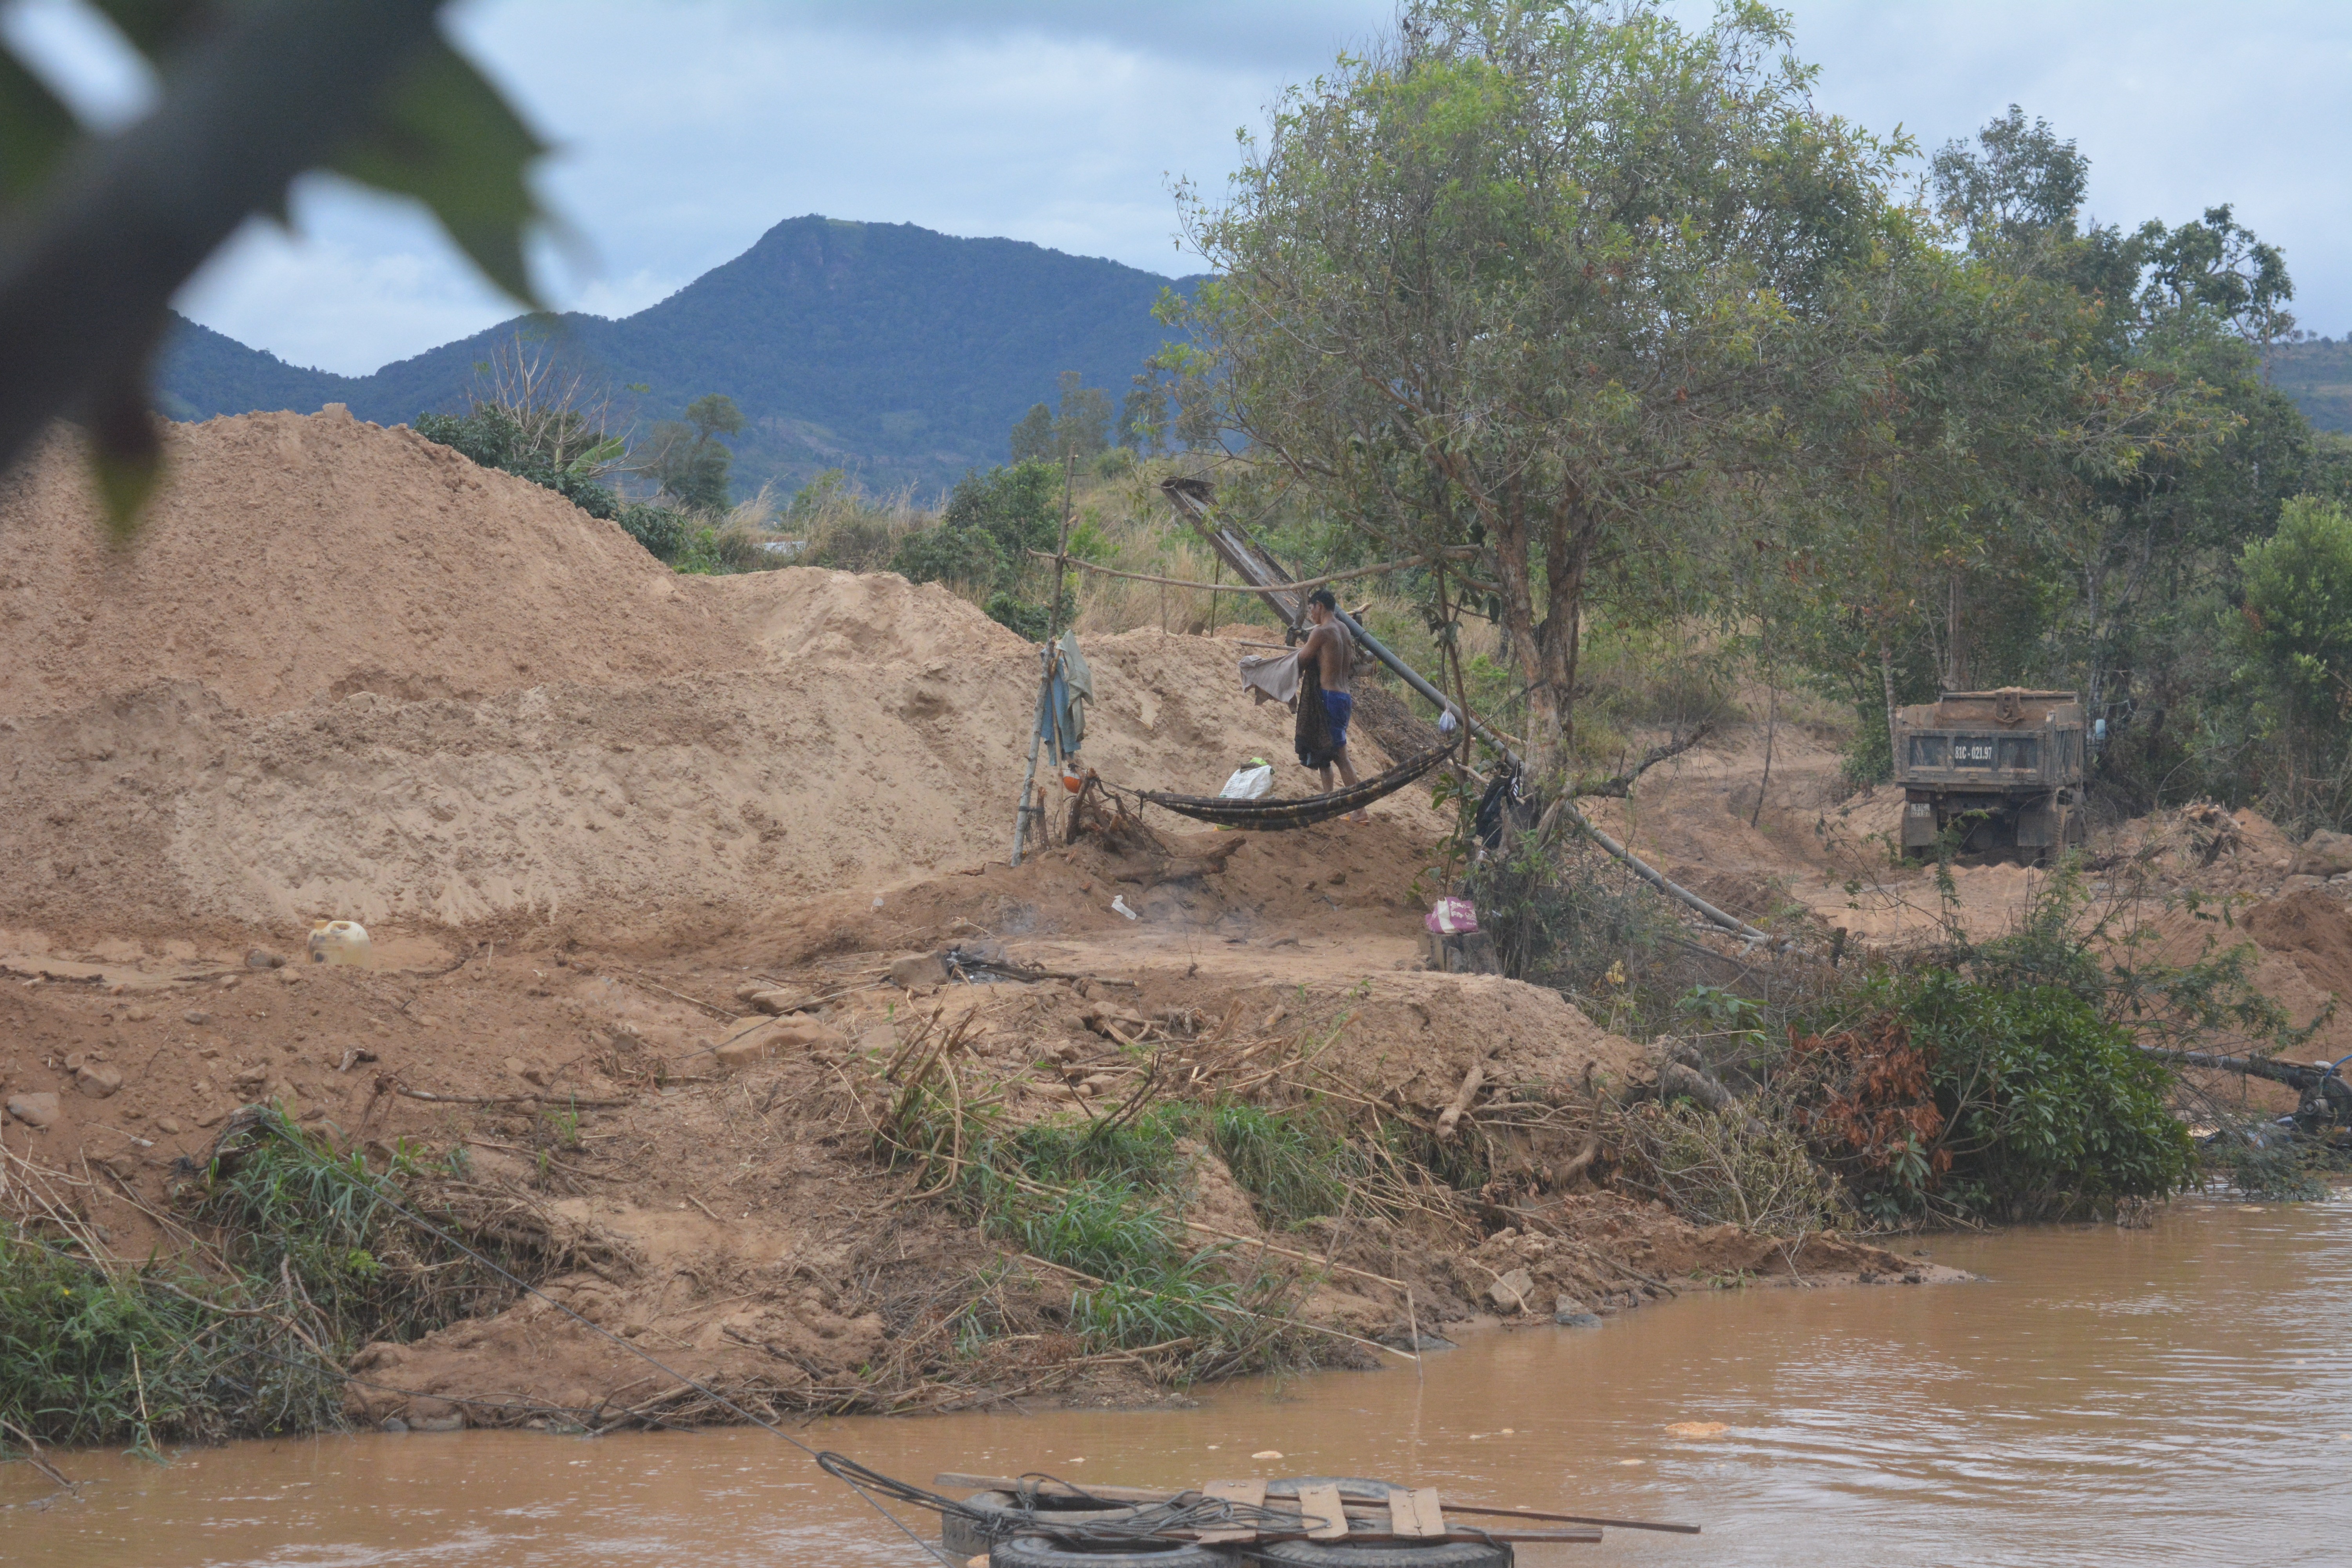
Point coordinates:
pixel 2161 1395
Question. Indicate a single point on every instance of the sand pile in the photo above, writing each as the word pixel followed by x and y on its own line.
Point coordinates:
pixel 293 557
pixel 345 673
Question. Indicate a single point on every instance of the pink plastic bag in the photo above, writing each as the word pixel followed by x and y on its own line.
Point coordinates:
pixel 1451 916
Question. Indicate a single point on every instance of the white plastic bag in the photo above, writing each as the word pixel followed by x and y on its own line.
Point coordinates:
pixel 1248 783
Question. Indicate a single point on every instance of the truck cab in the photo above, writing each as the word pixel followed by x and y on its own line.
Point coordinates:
pixel 2004 768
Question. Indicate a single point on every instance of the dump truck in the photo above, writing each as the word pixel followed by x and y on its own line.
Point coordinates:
pixel 2002 770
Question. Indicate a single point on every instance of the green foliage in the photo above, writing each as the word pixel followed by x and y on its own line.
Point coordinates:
pixel 320 1262
pixel 2295 629
pixel 2047 1107
pixel 948 554
pixel 984 538
pixel 446 137
pixel 1034 621
pixel 1081 430
pixel 1462 320
pixel 1107 1198
pixel 374 93
pixel 686 458
pixel 661 530
pixel 562 454
pixel 1293 1167
pixel 92 1354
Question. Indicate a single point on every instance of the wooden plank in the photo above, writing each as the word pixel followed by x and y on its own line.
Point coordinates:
pixel 1431 1517
pixel 1323 1502
pixel 1250 1493
pixel 1405 1518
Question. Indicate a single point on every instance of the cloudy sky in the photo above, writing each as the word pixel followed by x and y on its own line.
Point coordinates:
pixel 686 128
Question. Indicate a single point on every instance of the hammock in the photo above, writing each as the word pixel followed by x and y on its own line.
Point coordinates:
pixel 1276 815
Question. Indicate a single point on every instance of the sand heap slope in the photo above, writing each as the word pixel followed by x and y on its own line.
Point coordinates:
pixel 292 557
pixel 406 688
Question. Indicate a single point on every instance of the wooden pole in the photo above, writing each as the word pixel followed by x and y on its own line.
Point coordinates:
pixel 1046 661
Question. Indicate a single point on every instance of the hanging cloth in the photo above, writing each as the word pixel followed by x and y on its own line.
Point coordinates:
pixel 1271 678
pixel 1313 735
pixel 1073 689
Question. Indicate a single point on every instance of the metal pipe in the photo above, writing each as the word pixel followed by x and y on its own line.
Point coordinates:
pixel 1191 500
pixel 1639 867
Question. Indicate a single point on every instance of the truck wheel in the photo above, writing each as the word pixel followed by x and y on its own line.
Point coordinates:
pixel 967 1538
pixel 1037 1552
pixel 1341 1555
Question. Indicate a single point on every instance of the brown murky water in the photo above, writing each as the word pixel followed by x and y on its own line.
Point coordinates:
pixel 2174 1395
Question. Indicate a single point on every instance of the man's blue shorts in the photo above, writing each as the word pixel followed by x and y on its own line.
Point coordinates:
pixel 1341 707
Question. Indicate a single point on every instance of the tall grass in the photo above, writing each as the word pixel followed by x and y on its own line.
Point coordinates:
pixel 1293 1167
pixel 313 1260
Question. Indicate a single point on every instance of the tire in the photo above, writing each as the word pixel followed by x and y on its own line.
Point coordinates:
pixel 965 1539
pixel 1034 1551
pixel 1339 1554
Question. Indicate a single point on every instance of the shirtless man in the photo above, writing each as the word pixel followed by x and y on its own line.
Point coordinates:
pixel 1334 652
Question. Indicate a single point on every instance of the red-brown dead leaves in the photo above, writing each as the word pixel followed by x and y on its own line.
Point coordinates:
pixel 1867 1096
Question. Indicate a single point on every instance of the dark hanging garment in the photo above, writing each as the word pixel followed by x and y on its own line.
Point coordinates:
pixel 1314 734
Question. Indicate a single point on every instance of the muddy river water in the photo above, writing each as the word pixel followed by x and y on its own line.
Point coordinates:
pixel 2177 1394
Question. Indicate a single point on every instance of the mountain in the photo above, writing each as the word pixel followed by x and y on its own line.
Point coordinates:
pixel 2318 375
pixel 899 354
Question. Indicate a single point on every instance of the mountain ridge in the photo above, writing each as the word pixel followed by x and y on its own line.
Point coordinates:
pixel 894 350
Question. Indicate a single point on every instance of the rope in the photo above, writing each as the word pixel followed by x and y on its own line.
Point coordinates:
pixel 1277 814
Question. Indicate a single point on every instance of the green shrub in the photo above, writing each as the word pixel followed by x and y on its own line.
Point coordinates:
pixel 90 1353
pixel 554 448
pixel 662 531
pixel 320 1261
pixel 2047 1107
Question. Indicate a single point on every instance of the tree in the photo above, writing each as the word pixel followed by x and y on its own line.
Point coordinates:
pixel 98 229
pixel 2016 193
pixel 1143 417
pixel 2218 266
pixel 1518 280
pixel 529 418
pixel 990 526
pixel 684 457
pixel 1967 481
pixel 1082 427
pixel 1080 430
pixel 1033 438
pixel 2293 630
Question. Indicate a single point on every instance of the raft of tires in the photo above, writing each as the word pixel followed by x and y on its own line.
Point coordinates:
pixel 1040 1530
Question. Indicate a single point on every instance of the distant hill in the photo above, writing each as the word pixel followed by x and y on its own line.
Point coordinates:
pixel 899 354
pixel 2318 376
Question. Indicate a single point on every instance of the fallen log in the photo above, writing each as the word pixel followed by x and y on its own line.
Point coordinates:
pixel 2295 1074
pixel 1451 1117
